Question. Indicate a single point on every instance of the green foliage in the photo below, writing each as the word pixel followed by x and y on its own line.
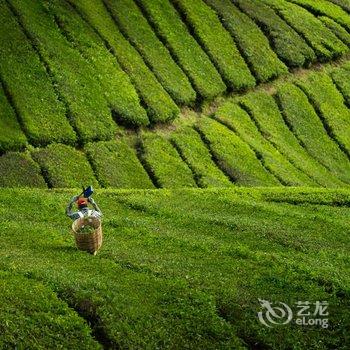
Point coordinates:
pixel 116 165
pixel 189 55
pixel 288 45
pixel 140 33
pixel 324 7
pixel 160 106
pixel 341 78
pixel 183 269
pixel 19 170
pixel 192 149
pixel 11 135
pixel 269 120
pixel 253 44
pixel 75 78
pixel 164 163
pixel 217 42
pixel 234 156
pixel 325 44
pixel 238 120
pixel 308 128
pixel 329 104
pixel 64 166
pixel 343 3
pixel 118 90
pixel 25 78
pixel 337 29
pixel 33 317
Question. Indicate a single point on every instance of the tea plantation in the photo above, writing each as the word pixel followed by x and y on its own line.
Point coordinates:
pixel 216 134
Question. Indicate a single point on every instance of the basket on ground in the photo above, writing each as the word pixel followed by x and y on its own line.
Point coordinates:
pixel 88 240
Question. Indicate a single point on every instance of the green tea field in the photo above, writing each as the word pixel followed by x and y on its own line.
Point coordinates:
pixel 216 136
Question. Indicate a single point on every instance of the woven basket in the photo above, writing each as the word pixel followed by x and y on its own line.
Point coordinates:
pixel 90 242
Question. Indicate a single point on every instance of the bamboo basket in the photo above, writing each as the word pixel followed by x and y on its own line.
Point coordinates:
pixel 90 242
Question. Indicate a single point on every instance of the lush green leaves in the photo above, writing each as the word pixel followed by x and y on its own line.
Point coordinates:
pixel 116 165
pixel 30 88
pixel 192 149
pixel 140 33
pixel 217 42
pixel 326 8
pixel 64 166
pixel 238 120
pixel 11 135
pixel 183 268
pixel 75 78
pixel 164 163
pixel 253 44
pixel 325 44
pixel 234 156
pixel 118 90
pixel 289 46
pixel 160 106
pixel 308 128
pixel 329 103
pixel 341 77
pixel 265 112
pixel 33 317
pixel 337 29
pixel 19 170
pixel 189 55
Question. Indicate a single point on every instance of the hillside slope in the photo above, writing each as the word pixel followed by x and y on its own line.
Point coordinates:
pixel 179 92
pixel 294 132
pixel 178 268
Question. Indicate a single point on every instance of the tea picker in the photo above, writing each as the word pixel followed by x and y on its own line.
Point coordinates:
pixel 82 202
pixel 86 227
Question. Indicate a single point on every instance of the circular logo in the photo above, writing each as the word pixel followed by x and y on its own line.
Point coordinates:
pixel 274 315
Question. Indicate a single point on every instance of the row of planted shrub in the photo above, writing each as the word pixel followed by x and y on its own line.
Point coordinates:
pixel 299 136
pixel 68 64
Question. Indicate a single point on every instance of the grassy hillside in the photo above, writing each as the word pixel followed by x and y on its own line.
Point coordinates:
pixel 294 132
pixel 81 72
pixel 217 136
pixel 179 269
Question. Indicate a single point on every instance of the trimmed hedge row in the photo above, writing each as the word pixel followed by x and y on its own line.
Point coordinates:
pixel 19 170
pixel 325 44
pixel 11 135
pixel 329 103
pixel 238 120
pixel 75 78
pixel 345 4
pixel 192 149
pixel 64 166
pixel 129 17
pixel 288 45
pixel 33 96
pixel 337 29
pixel 253 44
pixel 173 259
pixel 234 156
pixel 217 42
pixel 160 106
pixel 308 128
pixel 341 78
pixel 189 55
pixel 164 163
pixel 116 165
pixel 324 7
pixel 33 317
pixel 267 116
pixel 118 90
